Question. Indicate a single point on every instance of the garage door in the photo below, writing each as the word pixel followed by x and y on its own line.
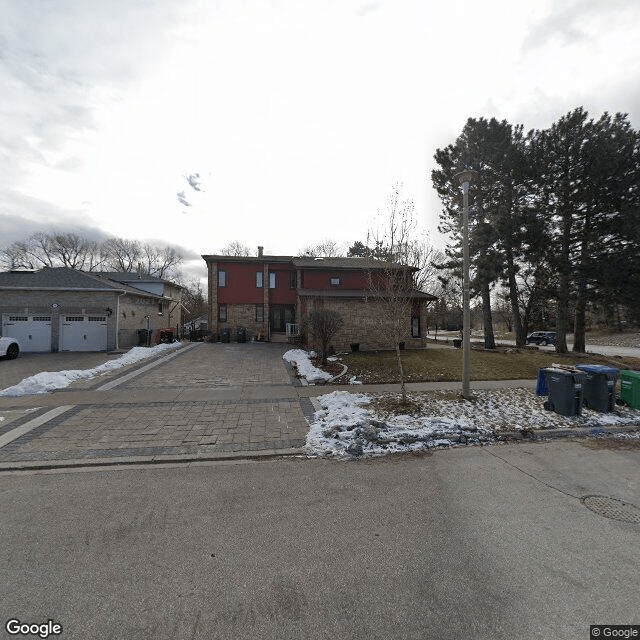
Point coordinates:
pixel 32 332
pixel 83 333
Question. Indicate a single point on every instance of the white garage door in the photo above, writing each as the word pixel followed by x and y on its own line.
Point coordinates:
pixel 83 333
pixel 32 332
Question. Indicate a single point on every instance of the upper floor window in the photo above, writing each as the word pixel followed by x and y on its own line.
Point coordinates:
pixel 335 281
pixel 259 279
pixel 222 278
pixel 272 280
pixel 293 280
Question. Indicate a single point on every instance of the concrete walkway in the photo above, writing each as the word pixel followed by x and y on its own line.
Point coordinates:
pixel 202 402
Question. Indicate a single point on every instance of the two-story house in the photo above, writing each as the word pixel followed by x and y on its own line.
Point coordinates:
pixel 265 293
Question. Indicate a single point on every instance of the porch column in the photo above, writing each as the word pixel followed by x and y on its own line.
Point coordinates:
pixel 265 298
pixel 213 297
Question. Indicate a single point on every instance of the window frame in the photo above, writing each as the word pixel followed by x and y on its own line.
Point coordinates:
pixel 335 284
pixel 222 307
pixel 259 279
pixel 222 274
pixel 419 334
pixel 273 277
pixel 293 280
pixel 259 313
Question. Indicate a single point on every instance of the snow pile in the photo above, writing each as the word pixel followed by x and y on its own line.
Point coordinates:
pixel 346 425
pixel 51 380
pixel 300 359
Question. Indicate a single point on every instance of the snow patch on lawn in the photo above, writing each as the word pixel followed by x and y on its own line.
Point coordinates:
pixel 347 424
pixel 51 380
pixel 300 359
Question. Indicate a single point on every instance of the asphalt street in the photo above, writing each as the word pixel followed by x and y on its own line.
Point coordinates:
pixel 483 542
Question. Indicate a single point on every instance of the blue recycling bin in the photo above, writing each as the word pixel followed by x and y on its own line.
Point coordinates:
pixel 541 386
pixel 599 386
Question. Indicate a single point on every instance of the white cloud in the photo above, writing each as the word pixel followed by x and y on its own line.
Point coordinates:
pixel 289 111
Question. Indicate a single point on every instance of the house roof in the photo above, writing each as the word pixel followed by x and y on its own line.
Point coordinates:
pixel 65 279
pixel 53 278
pixel 310 263
pixel 357 293
pixel 256 259
pixel 344 263
pixel 131 277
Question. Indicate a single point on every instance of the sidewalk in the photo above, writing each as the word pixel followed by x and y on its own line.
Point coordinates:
pixel 209 402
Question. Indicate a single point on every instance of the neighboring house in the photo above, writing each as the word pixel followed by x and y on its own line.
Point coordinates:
pixel 169 303
pixel 62 309
pixel 267 293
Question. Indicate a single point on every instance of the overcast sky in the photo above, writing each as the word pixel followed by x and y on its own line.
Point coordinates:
pixel 298 117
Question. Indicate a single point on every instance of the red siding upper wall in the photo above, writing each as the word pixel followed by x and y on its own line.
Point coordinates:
pixel 241 284
pixel 313 279
pixel 283 293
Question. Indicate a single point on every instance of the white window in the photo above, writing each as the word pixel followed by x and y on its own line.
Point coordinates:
pixel 222 278
pixel 259 278
pixel 272 280
pixel 335 281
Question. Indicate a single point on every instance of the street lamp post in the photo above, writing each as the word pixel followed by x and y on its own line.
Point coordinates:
pixel 464 178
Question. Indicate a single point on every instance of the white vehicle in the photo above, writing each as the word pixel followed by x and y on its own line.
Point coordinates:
pixel 9 347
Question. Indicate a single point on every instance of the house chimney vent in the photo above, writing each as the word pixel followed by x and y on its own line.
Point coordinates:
pixel 260 250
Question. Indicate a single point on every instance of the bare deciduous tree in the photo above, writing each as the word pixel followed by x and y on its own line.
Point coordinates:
pixel 235 248
pixel 392 286
pixel 323 324
pixel 66 249
pixel 327 249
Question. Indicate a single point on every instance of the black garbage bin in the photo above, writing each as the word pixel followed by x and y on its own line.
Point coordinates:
pixel 242 334
pixel 599 387
pixel 225 335
pixel 565 391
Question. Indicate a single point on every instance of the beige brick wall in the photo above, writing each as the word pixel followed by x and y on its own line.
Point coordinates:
pixel 243 315
pixel 133 312
pixel 362 324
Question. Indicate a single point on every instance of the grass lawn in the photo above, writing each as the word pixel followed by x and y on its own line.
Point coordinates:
pixel 436 365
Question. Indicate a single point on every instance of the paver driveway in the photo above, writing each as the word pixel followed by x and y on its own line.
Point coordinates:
pixel 205 400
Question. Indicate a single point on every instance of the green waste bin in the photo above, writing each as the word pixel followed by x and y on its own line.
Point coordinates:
pixel 630 388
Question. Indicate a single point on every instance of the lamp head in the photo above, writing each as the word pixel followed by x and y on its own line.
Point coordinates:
pixel 465 176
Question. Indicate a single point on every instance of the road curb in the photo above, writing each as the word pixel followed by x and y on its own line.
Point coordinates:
pixel 541 434
pixel 159 459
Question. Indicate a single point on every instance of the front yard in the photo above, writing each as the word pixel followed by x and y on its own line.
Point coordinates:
pixel 445 364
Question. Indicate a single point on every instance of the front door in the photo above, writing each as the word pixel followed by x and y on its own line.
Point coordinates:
pixel 277 319
pixel 279 316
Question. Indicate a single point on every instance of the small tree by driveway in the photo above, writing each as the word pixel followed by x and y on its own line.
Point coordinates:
pixel 323 325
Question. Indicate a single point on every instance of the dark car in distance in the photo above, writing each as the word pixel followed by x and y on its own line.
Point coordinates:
pixel 541 338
